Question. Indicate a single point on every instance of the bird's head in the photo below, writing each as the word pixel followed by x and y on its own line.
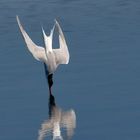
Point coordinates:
pixel 50 80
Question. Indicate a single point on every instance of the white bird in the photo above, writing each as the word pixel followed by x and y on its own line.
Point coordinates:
pixel 51 57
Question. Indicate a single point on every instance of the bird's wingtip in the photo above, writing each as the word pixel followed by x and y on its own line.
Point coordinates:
pixel 56 21
pixel 18 21
pixel 17 17
pixel 42 28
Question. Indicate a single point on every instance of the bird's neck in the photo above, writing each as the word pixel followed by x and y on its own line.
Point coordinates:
pixel 50 80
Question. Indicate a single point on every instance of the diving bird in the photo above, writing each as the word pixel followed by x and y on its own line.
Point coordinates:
pixel 49 56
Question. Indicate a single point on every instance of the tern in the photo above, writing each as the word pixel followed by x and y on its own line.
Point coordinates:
pixel 49 56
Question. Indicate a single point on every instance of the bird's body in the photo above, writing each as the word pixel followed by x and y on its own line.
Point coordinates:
pixel 51 63
pixel 50 57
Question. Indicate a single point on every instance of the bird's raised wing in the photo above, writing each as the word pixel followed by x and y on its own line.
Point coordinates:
pixel 37 51
pixel 61 54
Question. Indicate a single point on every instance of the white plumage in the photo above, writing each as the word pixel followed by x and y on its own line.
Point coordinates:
pixel 51 57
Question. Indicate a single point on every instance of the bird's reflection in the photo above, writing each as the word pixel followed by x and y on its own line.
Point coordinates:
pixel 58 120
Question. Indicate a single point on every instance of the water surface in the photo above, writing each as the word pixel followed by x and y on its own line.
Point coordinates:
pixel 101 82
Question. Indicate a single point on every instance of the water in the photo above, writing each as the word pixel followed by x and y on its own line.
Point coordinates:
pixel 101 82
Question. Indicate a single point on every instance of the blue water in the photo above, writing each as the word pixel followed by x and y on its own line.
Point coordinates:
pixel 101 83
